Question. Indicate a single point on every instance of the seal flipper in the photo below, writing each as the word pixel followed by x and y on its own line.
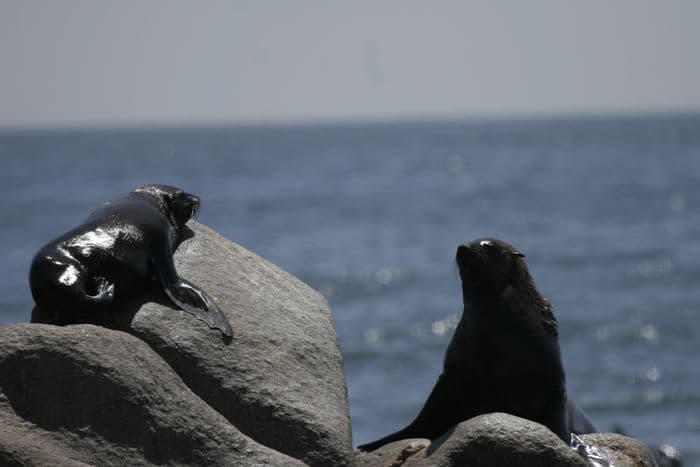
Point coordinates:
pixel 63 290
pixel 100 290
pixel 186 295
pixel 195 301
pixel 443 410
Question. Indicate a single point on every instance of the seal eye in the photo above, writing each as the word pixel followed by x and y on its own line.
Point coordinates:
pixel 486 243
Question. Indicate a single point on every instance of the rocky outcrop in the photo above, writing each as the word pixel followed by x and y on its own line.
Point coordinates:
pixel 276 390
pixel 85 394
pixel 280 380
pixel 162 388
pixel 498 439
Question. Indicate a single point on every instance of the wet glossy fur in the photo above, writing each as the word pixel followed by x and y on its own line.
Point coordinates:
pixel 123 247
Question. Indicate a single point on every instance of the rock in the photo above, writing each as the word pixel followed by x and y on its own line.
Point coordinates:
pixel 499 439
pixel 87 395
pixel 622 450
pixel 21 444
pixel 280 380
pixel 491 440
pixel 392 454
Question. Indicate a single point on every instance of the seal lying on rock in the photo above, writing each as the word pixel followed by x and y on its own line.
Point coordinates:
pixel 116 252
pixel 504 355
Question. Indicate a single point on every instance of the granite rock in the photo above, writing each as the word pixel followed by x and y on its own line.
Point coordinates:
pixel 280 379
pixel 84 394
pixel 498 439
pixel 622 450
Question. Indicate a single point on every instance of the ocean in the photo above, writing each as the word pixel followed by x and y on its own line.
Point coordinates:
pixel 370 215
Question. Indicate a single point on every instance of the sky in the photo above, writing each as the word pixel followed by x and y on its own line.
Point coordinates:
pixel 172 62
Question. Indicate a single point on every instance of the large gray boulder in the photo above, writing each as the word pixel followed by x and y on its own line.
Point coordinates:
pixel 83 394
pixel 498 439
pixel 280 380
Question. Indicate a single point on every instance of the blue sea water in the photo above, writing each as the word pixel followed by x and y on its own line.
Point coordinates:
pixel 606 211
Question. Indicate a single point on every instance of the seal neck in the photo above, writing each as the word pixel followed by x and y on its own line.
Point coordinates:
pixel 513 298
pixel 158 202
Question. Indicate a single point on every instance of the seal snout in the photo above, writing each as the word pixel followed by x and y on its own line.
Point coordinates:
pixel 462 250
pixel 463 253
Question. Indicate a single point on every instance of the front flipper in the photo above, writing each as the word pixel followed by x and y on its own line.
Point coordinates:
pixel 449 403
pixel 184 293
pixel 195 301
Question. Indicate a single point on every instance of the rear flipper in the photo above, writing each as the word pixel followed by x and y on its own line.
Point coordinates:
pixel 195 301
pixel 100 291
pixel 64 293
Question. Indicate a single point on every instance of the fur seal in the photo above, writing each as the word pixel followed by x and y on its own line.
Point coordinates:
pixel 504 355
pixel 119 250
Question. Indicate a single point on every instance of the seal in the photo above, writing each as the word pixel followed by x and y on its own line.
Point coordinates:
pixel 124 247
pixel 504 355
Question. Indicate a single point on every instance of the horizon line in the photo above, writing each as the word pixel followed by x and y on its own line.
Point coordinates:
pixel 372 121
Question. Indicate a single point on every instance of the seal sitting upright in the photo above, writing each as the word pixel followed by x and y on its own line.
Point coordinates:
pixel 504 355
pixel 118 251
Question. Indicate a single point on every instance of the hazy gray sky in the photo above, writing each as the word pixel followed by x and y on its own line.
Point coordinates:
pixel 91 62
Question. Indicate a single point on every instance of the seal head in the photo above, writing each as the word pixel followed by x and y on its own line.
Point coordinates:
pixel 487 266
pixel 494 272
pixel 177 205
